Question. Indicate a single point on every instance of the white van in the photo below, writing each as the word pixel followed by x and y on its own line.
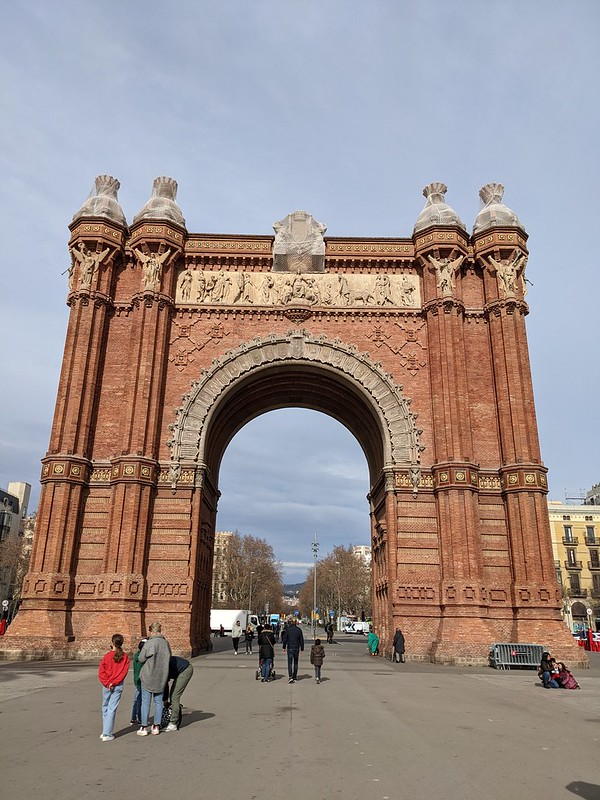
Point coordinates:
pixel 357 627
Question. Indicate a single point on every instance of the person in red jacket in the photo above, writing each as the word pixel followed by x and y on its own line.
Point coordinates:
pixel 112 672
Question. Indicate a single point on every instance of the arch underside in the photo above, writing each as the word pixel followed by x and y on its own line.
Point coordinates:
pixel 296 370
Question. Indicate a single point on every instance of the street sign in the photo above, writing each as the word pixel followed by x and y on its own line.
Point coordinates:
pixel 332 614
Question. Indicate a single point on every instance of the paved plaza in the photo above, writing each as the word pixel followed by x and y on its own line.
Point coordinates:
pixel 372 730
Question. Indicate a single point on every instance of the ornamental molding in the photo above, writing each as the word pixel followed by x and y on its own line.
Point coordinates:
pixel 401 435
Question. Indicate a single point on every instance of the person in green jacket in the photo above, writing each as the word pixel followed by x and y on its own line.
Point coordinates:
pixel 373 643
pixel 136 710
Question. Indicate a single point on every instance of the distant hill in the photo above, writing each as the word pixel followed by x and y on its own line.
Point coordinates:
pixel 292 589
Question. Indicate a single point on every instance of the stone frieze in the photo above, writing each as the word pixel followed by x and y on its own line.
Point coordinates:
pixel 335 290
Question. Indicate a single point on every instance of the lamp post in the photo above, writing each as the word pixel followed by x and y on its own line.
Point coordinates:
pixel 250 598
pixel 339 615
pixel 315 549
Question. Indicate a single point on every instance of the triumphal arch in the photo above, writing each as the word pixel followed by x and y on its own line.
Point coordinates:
pixel 175 340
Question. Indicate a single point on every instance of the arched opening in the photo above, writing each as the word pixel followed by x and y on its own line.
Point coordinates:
pixel 296 370
pixel 290 474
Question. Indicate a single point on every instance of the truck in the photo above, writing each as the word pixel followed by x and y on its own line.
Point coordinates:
pixel 227 618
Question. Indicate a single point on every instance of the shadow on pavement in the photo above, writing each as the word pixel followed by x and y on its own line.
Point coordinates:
pixel 589 791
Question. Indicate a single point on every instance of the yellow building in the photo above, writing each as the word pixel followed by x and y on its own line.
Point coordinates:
pixel 576 545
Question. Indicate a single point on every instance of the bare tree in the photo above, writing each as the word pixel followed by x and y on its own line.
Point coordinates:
pixel 249 566
pixel 343 583
pixel 14 560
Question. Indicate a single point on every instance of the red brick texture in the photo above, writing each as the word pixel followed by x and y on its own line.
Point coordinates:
pixel 460 533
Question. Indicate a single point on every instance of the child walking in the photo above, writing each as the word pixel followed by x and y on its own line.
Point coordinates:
pixel 112 672
pixel 317 656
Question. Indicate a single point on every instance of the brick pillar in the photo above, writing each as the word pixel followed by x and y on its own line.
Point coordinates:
pixel 44 622
pixel 462 604
pixel 154 250
pixel 535 595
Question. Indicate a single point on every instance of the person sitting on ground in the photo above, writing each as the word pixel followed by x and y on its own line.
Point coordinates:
pixel 567 681
pixel 545 672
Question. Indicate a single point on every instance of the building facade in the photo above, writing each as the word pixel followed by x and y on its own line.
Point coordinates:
pixel 417 344
pixel 363 552
pixel 576 546
pixel 219 573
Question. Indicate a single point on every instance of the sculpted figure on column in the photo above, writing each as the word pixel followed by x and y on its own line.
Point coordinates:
pixel 152 265
pixel 408 291
pixel 446 270
pixel 508 270
pixel 88 262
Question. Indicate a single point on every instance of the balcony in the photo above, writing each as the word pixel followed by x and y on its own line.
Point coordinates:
pixel 577 592
pixel 595 593
pixel 571 565
pixel 570 540
pixel 591 541
pixel 594 566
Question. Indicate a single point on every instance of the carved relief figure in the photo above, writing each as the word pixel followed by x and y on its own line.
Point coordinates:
pixel 408 291
pixel 446 270
pixel 220 286
pixel 248 294
pixel 186 285
pixel 383 290
pixel 200 286
pixel 299 245
pixel 269 292
pixel 343 291
pixel 88 263
pixel 152 266
pixel 508 271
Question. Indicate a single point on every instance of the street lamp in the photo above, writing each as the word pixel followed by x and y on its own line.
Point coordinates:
pixel 315 549
pixel 250 599
pixel 339 619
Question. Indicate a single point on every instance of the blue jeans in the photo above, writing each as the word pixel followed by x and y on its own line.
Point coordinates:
pixel 136 708
pixel 293 656
pixel 147 696
pixel 266 668
pixel 110 701
pixel 549 681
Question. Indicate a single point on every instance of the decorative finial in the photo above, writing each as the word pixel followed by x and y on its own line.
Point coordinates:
pixel 103 202
pixel 162 204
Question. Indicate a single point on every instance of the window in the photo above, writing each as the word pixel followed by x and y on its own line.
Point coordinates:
pixel 594 558
pixel 575 586
pixel 590 534
pixel 571 560
pixel 568 533
pixel 596 584
pixel 589 519
pixel 566 517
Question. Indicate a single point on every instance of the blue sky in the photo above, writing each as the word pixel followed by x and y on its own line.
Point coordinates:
pixel 343 108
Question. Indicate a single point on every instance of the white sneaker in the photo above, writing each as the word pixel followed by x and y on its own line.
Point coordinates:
pixel 155 730
pixel 171 727
pixel 142 731
pixel 106 737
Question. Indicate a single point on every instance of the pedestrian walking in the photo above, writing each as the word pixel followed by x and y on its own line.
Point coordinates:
pixel 112 672
pixel 248 637
pixel 292 640
pixel 180 672
pixel 317 656
pixel 266 652
pixel 136 709
pixel 236 635
pixel 154 657
pixel 399 646
pixel 329 632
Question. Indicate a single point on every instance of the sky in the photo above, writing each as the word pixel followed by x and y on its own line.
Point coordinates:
pixel 345 109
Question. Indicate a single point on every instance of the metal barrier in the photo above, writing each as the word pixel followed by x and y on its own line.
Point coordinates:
pixel 505 656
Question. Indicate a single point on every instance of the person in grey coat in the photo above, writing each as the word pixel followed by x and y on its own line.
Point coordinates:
pixel 154 658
